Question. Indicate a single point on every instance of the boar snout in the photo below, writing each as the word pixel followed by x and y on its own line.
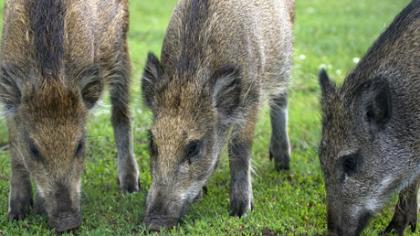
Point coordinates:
pixel 163 211
pixel 66 221
pixel 347 222
pixel 334 229
pixel 160 217
pixel 156 223
pixel 63 206
pixel 332 224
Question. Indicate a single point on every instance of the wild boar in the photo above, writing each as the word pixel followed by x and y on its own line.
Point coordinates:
pixel 219 60
pixel 370 145
pixel 56 57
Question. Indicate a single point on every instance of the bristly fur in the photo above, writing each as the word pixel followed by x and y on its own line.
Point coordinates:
pixel 10 92
pixel 47 25
pixel 57 101
pixel 194 22
pixel 382 46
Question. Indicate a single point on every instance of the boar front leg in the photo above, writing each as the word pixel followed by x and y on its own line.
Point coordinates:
pixel 20 197
pixel 128 172
pixel 240 147
pixel 39 205
pixel 279 146
pixel 405 211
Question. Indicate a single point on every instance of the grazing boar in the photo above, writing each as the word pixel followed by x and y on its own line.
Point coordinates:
pixel 370 144
pixel 219 60
pixel 56 56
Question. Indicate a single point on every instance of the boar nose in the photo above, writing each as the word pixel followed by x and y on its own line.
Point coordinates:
pixel 66 214
pixel 156 223
pixel 66 200
pixel 334 228
pixel 158 208
pixel 66 221
pixel 158 215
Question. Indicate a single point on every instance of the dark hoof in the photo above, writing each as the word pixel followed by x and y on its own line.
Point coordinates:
pixel 129 184
pixel 281 160
pixel 20 209
pixel 13 216
pixel 240 208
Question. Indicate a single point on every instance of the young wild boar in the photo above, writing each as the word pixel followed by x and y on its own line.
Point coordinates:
pixel 219 59
pixel 371 132
pixel 56 56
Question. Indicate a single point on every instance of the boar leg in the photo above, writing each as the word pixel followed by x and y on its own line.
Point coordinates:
pixel 20 198
pixel 405 211
pixel 241 197
pixel 128 172
pixel 279 146
pixel 39 207
pixel 201 194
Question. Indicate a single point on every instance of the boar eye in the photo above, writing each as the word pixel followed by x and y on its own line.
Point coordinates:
pixel 152 145
pixel 350 163
pixel 80 147
pixel 193 150
pixel 34 151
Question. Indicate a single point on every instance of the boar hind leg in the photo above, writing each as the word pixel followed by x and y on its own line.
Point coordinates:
pixel 279 146
pixel 20 198
pixel 241 197
pixel 405 211
pixel 128 173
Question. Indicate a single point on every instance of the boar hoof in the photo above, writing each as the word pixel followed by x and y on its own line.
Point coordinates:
pixel 281 160
pixel 17 215
pixel 129 184
pixel 240 208
pixel 19 210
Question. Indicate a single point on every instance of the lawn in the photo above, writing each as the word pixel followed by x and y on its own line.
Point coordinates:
pixel 328 33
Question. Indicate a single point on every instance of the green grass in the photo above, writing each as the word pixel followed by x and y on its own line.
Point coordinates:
pixel 327 33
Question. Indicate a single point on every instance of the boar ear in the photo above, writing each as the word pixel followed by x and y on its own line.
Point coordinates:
pixel 153 71
pixel 327 87
pixel 226 95
pixel 91 85
pixel 377 104
pixel 10 87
